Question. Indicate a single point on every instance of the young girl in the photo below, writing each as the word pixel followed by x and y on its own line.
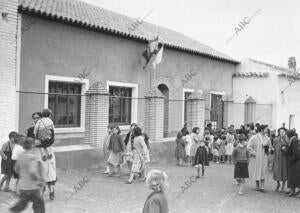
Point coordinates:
pixel 156 201
pixel 240 158
pixel 180 149
pixel 215 149
pixel 188 146
pixel 43 131
pixel 105 148
pixel 116 148
pixel 16 152
pixel 6 163
pixel 229 143
pixel 195 142
pixel 201 158
pixel 222 148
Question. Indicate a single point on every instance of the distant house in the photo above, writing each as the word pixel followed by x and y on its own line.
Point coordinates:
pixel 266 93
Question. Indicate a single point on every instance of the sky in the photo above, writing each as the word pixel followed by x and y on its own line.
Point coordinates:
pixel 272 35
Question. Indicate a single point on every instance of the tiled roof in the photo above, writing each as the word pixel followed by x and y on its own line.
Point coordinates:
pixel 92 17
pixel 251 74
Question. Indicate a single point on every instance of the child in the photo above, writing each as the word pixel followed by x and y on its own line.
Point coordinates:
pixel 31 180
pixel 156 201
pixel 6 162
pixel 180 149
pixel 43 130
pixel 105 148
pixel 188 146
pixel 215 149
pixel 116 147
pixel 16 152
pixel 240 158
pixel 222 148
pixel 201 158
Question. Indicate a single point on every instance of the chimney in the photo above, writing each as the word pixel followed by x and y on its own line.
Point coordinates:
pixel 292 63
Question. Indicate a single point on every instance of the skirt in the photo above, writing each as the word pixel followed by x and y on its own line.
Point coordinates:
pixel 138 164
pixel 229 148
pixel 241 170
pixel 201 156
pixel 115 159
pixel 215 152
pixel 6 167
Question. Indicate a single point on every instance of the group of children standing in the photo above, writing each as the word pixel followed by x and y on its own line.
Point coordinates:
pixel 199 150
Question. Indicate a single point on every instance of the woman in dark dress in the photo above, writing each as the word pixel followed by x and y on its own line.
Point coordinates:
pixel 293 163
pixel 180 149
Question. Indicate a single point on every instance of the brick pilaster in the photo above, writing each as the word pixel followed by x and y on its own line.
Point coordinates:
pixel 154 115
pixel 195 111
pixel 96 114
pixel 8 67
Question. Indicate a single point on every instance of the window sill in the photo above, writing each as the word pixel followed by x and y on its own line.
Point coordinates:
pixel 69 130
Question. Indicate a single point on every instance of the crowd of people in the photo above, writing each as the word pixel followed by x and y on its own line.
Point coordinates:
pixel 255 151
pixel 29 159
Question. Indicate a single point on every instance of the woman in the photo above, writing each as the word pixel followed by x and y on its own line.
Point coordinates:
pixel 49 166
pixel 280 159
pixel 259 146
pixel 128 146
pixel 139 150
pixel 293 153
pixel 195 136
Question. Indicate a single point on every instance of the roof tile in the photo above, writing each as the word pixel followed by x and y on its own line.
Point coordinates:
pixel 75 11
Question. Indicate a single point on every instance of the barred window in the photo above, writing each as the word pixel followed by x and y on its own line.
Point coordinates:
pixel 120 105
pixel 66 108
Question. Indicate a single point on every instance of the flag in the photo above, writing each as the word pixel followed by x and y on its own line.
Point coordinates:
pixel 158 58
pixel 150 51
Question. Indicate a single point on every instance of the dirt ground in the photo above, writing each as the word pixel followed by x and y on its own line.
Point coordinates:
pixel 214 193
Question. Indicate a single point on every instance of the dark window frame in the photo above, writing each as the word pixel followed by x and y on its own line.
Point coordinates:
pixel 66 88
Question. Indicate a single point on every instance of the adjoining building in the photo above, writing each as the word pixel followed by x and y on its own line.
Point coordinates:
pixel 266 93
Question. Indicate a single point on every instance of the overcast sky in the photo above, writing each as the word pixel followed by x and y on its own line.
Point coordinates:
pixel 272 35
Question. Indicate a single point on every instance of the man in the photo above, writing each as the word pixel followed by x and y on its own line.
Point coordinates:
pixel 259 147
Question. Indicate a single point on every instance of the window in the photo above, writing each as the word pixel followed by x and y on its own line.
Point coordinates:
pixel 120 105
pixel 66 108
pixel 250 108
pixel 217 111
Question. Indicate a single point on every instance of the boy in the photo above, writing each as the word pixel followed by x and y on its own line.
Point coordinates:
pixel 43 130
pixel 6 163
pixel 31 180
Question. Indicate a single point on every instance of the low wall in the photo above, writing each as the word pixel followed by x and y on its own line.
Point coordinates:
pixel 86 156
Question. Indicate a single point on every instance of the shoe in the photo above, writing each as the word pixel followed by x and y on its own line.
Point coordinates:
pixel 197 176
pixel 50 156
pixel 291 194
pixel 257 189
pixel 240 193
pixel 128 182
pixel 105 172
pixel 110 175
pixel 277 188
pixel 44 158
pixel 51 195
pixel 262 190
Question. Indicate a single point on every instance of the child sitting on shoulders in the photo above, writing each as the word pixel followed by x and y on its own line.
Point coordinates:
pixel 240 157
pixel 43 131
